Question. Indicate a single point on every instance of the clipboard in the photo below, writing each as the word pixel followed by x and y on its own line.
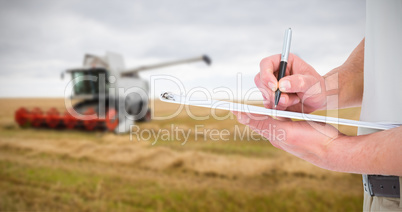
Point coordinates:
pixel 232 106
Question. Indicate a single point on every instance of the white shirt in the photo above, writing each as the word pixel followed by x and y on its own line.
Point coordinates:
pixel 382 96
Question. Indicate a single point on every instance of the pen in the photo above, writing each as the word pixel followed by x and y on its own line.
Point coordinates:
pixel 284 61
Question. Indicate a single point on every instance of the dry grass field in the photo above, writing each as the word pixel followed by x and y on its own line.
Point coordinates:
pixel 73 170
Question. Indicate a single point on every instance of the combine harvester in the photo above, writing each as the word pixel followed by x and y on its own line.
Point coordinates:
pixel 101 106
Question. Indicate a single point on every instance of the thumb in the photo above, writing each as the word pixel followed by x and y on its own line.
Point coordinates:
pixel 297 83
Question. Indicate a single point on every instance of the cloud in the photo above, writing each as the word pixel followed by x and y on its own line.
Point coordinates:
pixel 39 39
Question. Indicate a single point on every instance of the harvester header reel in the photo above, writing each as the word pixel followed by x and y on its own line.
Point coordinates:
pixel 53 119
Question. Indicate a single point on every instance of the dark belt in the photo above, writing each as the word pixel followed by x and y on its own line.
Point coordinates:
pixel 382 186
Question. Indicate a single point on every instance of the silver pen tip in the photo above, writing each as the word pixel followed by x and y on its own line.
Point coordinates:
pixel 275 107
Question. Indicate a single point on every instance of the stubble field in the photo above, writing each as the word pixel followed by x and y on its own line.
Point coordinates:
pixel 75 170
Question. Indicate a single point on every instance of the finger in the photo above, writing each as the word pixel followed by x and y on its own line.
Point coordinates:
pixel 270 65
pixel 273 142
pixel 281 118
pixel 296 108
pixel 265 125
pixel 286 100
pixel 240 119
pixel 234 112
pixel 266 92
pixel 245 118
pixel 267 68
pixel 297 83
pixel 266 103
pixel 282 101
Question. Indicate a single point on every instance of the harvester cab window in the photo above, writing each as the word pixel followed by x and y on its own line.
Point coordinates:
pixel 87 86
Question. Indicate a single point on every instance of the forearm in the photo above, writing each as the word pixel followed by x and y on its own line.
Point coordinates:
pixel 346 81
pixel 376 153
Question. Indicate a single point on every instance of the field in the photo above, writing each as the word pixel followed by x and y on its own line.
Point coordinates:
pixel 73 170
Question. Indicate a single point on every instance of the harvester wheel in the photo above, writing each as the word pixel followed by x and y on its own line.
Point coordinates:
pixel 37 117
pixel 112 119
pixel 147 116
pixel 90 124
pixel 22 117
pixel 52 117
pixel 69 120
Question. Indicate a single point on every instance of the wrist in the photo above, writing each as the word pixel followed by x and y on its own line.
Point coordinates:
pixel 344 154
pixel 344 85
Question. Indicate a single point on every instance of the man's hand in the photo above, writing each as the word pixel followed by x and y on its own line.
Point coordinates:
pixel 323 145
pixel 316 143
pixel 303 89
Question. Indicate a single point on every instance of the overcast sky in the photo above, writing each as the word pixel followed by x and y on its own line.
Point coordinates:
pixel 40 39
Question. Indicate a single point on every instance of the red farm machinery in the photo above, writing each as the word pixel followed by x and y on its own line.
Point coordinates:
pixel 99 104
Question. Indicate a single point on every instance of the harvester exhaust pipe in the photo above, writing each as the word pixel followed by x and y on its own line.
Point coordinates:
pixel 134 71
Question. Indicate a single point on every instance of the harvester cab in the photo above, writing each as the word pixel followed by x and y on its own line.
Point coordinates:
pixel 98 86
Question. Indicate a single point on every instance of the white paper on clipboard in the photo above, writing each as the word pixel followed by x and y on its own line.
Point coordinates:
pixel 223 105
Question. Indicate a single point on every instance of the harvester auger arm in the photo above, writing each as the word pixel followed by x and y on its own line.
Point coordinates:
pixel 134 71
pixel 90 98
